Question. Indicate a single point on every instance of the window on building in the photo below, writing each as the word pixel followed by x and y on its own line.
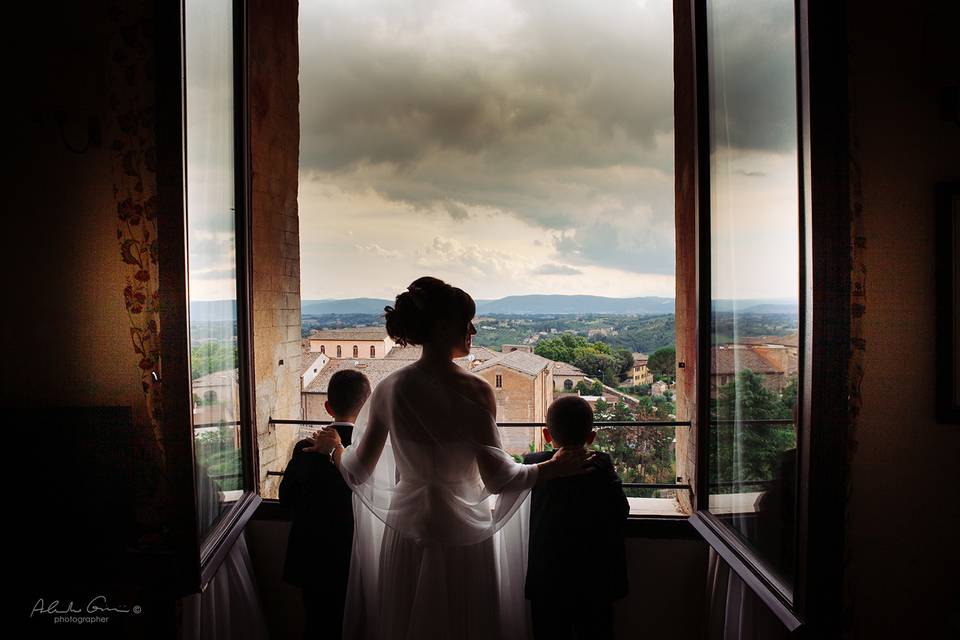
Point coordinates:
pixel 339 351
pixel 499 381
pixel 567 385
pixel 323 348
pixel 356 351
pixel 373 351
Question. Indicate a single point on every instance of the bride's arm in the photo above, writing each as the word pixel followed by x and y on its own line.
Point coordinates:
pixel 368 450
pixel 363 459
pixel 499 471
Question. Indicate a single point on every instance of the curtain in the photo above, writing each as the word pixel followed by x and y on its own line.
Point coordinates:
pixel 733 611
pixel 228 609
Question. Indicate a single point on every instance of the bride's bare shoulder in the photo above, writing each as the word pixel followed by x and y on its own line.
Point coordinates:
pixel 482 390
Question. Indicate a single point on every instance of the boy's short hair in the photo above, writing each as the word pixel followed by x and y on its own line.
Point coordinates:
pixel 570 420
pixel 347 390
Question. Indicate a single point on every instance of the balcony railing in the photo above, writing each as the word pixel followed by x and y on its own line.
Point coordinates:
pixel 630 452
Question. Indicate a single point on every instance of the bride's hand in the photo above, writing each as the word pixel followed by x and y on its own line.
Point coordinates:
pixel 571 461
pixel 324 441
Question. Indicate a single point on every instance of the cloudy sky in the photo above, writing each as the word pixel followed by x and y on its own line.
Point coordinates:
pixel 508 147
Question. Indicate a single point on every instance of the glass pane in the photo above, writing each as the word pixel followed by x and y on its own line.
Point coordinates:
pixel 211 238
pixel 754 274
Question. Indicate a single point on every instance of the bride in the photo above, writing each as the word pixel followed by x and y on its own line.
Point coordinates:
pixel 437 550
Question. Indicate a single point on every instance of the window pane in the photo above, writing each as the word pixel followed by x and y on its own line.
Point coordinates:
pixel 211 238
pixel 754 253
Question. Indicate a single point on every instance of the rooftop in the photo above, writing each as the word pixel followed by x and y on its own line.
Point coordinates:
pixel 375 370
pixel 792 340
pixel 413 352
pixel 523 361
pixel 730 361
pixel 354 333
pixel 566 369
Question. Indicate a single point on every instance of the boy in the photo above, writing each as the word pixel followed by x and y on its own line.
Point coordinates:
pixel 321 505
pixel 577 566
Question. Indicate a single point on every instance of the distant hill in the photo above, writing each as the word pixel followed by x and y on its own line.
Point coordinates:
pixel 759 306
pixel 518 305
pixel 555 304
pixel 561 304
pixel 213 310
pixel 351 305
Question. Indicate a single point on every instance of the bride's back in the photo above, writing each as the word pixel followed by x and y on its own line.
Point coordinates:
pixel 436 420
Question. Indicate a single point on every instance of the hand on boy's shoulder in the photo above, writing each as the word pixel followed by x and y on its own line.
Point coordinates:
pixel 536 457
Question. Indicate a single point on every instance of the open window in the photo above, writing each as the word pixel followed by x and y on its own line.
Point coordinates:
pixel 203 171
pixel 763 202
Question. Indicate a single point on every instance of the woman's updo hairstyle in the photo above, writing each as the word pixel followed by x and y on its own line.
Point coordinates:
pixel 425 305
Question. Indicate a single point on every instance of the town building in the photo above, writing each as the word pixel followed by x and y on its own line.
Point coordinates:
pixel 640 372
pixel 522 382
pixel 566 376
pixel 523 386
pixel 362 342
pixel 730 360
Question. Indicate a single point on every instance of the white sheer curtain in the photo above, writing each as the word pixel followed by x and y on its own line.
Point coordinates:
pixel 229 608
pixel 440 538
pixel 734 612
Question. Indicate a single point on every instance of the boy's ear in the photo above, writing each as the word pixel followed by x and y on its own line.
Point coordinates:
pixel 546 435
pixel 326 405
pixel 591 436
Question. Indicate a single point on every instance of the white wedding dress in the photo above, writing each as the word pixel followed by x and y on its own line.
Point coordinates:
pixel 440 510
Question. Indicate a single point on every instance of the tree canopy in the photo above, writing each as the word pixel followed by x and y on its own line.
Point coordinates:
pixel 663 362
pixel 596 359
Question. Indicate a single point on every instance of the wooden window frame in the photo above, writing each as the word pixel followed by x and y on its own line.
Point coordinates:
pixel 813 600
pixel 195 559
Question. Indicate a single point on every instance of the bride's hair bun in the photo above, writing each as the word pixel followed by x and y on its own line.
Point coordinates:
pixel 427 301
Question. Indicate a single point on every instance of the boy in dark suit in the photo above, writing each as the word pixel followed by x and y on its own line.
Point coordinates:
pixel 577 566
pixel 321 506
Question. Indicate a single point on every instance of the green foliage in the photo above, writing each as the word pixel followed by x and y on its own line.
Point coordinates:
pixel 596 359
pixel 726 325
pixel 217 454
pixel 639 454
pixel 212 356
pixel 741 451
pixel 663 362
pixel 586 389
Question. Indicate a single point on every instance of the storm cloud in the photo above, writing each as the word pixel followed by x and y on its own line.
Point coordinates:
pixel 556 114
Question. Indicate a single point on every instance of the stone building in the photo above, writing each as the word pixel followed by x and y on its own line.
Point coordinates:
pixel 783 352
pixel 639 372
pixel 362 342
pixel 566 376
pixel 729 360
pixel 523 385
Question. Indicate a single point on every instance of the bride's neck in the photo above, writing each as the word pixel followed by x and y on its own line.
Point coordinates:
pixel 436 356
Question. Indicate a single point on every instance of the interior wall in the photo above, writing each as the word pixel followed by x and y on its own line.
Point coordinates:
pixel 667 583
pixel 902 510
pixel 80 277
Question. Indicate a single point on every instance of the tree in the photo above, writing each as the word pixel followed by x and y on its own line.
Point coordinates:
pixel 743 447
pixel 593 358
pixel 586 389
pixel 212 356
pixel 663 362
pixel 560 348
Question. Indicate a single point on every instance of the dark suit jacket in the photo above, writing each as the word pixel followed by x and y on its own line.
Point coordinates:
pixel 579 518
pixel 321 529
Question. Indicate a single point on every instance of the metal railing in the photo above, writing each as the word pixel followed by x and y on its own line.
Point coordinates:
pixel 615 424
